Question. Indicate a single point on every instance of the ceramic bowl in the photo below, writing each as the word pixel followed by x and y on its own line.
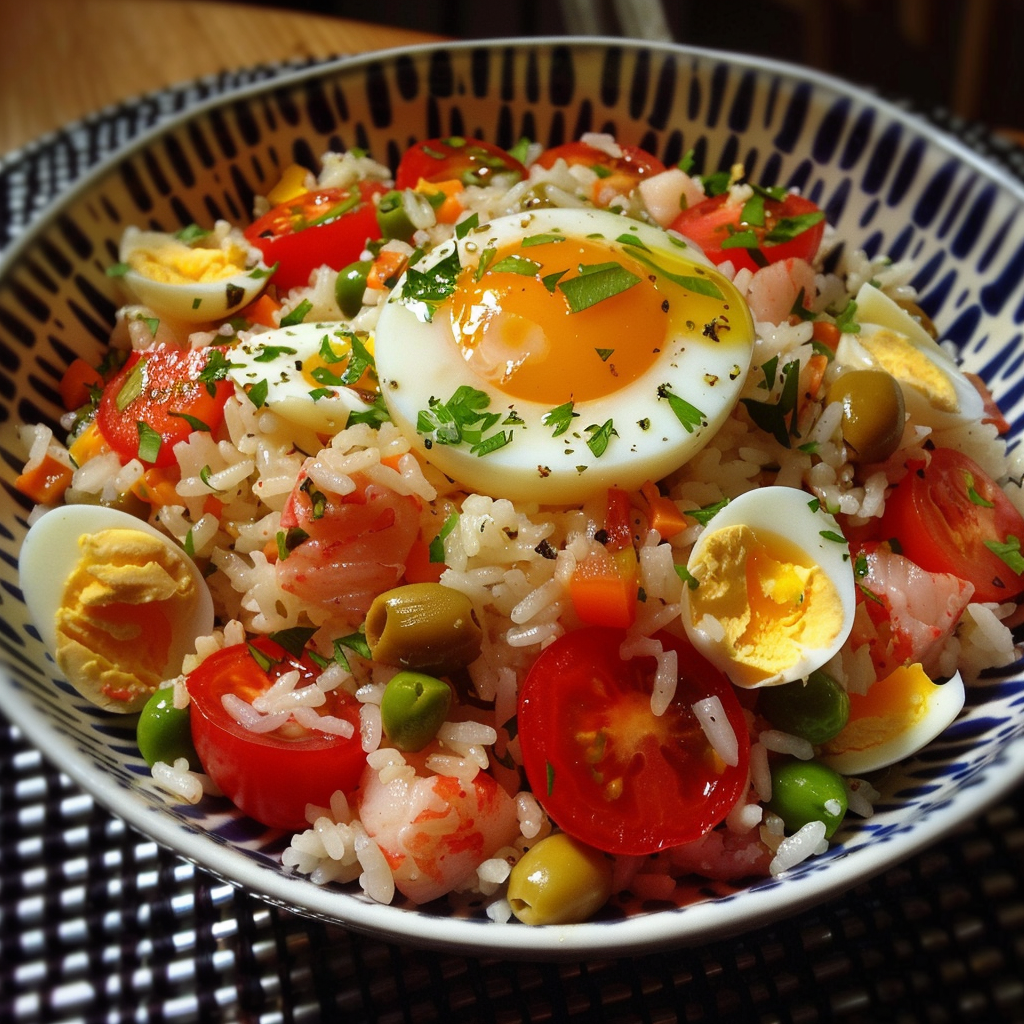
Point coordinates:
pixel 888 181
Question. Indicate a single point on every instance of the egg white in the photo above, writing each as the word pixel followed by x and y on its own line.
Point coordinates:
pixel 419 363
pixel 277 357
pixel 792 515
pixel 192 301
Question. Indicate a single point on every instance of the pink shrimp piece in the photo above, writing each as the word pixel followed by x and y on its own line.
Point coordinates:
pixel 355 547
pixel 911 613
pixel 774 290
pixel 723 855
pixel 434 831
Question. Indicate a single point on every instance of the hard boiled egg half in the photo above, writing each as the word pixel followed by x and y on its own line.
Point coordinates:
pixel 935 391
pixel 549 355
pixel 897 716
pixel 771 595
pixel 309 374
pixel 117 603
pixel 192 275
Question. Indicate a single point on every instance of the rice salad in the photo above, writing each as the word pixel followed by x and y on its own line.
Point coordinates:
pixel 536 619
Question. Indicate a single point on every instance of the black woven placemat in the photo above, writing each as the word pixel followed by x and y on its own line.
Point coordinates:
pixel 99 924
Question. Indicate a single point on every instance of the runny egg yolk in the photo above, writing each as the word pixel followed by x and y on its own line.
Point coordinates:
pixel 517 329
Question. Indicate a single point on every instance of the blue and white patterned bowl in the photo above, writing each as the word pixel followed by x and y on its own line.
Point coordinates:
pixel 888 181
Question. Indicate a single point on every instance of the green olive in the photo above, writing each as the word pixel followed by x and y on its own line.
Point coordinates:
pixel 424 626
pixel 393 217
pixel 815 709
pixel 350 285
pixel 413 708
pixel 559 881
pixel 163 731
pixel 805 791
pixel 873 413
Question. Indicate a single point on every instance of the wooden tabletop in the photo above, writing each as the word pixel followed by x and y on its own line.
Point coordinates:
pixel 65 59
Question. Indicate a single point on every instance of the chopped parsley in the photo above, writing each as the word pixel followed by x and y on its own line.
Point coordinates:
pixel 559 418
pixel 431 287
pixel 149 442
pixel 1009 551
pixel 600 436
pixel 296 316
pixel 594 285
pixel 689 415
pixel 437 544
pixel 463 419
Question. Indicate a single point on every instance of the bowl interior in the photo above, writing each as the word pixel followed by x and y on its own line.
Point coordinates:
pixel 889 184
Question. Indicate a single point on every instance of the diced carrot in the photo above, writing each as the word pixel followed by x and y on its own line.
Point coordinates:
pixel 663 514
pixel 387 267
pixel 78 378
pixel 604 589
pixel 213 506
pixel 261 311
pixel 826 332
pixel 617 523
pixel 816 367
pixel 449 210
pixel 45 482
pixel 271 551
pixel 157 486
pixel 392 461
pixel 89 443
pixel 418 566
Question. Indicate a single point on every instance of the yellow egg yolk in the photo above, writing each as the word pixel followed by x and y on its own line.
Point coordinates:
pixel 891 707
pixel 117 615
pixel 769 605
pixel 182 264
pixel 519 331
pixel 905 361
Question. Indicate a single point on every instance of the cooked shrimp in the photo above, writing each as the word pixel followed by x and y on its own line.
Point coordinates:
pixel 774 290
pixel 435 829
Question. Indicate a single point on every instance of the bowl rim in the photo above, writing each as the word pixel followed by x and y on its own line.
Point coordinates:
pixel 713 919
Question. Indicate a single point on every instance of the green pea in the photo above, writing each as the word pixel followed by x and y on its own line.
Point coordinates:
pixel 805 791
pixel 559 881
pixel 163 731
pixel 815 709
pixel 393 218
pixel 350 285
pixel 423 626
pixel 413 708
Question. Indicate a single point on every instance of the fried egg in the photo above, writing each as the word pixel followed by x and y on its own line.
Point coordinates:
pixel 935 391
pixel 771 595
pixel 117 603
pixel 898 716
pixel 194 276
pixel 549 355
pixel 309 374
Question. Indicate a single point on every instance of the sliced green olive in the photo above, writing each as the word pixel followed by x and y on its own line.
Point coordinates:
pixel 815 709
pixel 806 791
pixel 559 881
pixel 413 708
pixel 393 217
pixel 163 731
pixel 873 413
pixel 350 285
pixel 424 626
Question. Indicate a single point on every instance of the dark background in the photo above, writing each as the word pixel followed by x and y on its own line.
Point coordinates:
pixel 964 56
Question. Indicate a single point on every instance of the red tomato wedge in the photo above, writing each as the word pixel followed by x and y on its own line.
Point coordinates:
pixel 329 227
pixel 157 399
pixel 270 776
pixel 471 161
pixel 617 174
pixel 604 766
pixel 753 234
pixel 951 516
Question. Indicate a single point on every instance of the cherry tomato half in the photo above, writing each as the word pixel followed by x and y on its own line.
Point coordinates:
pixel 616 174
pixel 949 515
pixel 471 161
pixel 157 399
pixel 754 234
pixel 270 776
pixel 606 768
pixel 329 226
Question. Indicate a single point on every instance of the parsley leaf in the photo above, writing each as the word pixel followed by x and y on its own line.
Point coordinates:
pixel 463 419
pixel 560 417
pixel 1009 551
pixel 689 415
pixel 149 442
pixel 600 437
pixel 590 288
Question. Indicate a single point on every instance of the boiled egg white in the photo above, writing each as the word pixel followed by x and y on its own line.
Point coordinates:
pixel 549 355
pixel 195 277
pixel 117 603
pixel 771 595
pixel 297 372
pixel 935 391
pixel 897 716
